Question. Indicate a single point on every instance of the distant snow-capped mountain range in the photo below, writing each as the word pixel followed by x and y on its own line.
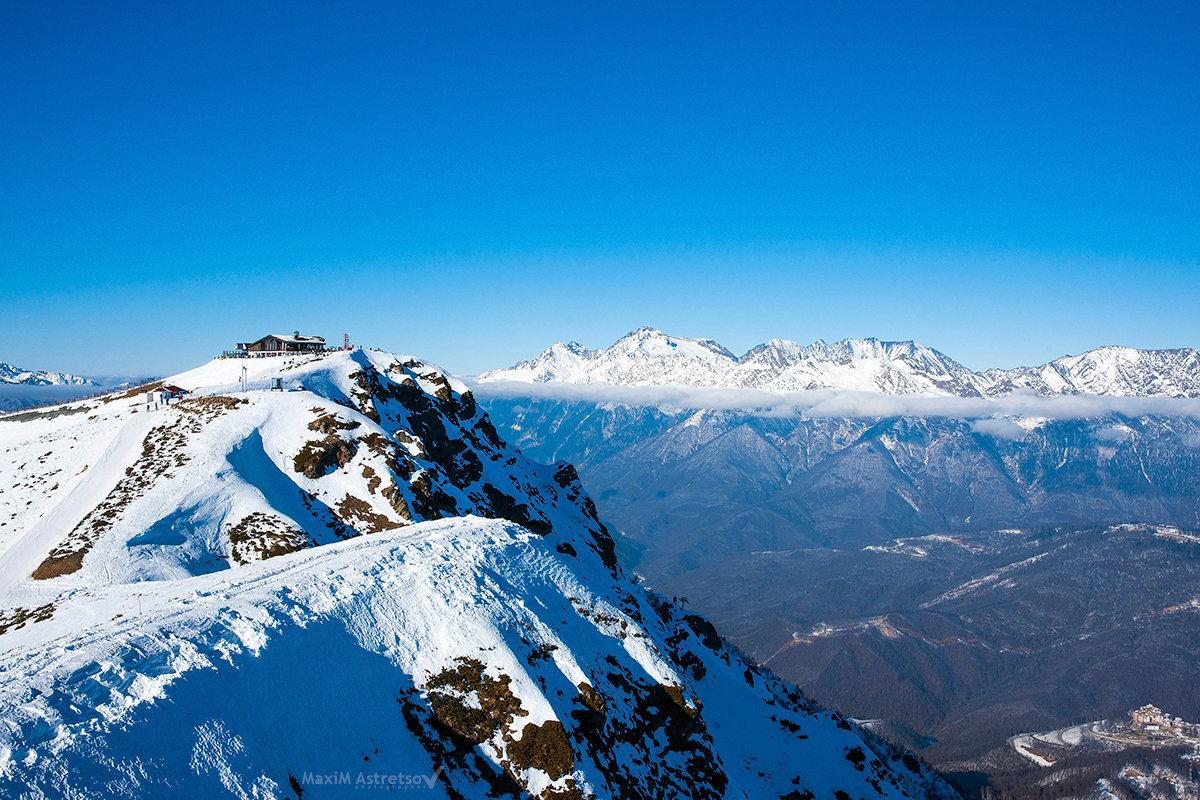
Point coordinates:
pixel 29 377
pixel 649 357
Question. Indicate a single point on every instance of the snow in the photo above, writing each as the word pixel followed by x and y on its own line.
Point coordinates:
pixel 1022 745
pixel 208 657
pixel 1073 735
pixel 313 612
pixel 994 578
pixel 44 458
pixel 22 551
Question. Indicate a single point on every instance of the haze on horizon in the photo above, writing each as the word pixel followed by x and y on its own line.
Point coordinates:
pixel 1005 183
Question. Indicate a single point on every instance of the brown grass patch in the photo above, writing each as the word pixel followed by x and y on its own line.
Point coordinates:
pixel 328 423
pixel 16 618
pixel 357 513
pixel 134 392
pixel 543 747
pixel 319 458
pixel 471 704
pixel 261 536
pixel 55 566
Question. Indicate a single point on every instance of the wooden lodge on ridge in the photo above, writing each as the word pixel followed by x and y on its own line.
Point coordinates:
pixel 282 344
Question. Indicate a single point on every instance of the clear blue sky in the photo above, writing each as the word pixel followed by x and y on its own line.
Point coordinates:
pixel 470 182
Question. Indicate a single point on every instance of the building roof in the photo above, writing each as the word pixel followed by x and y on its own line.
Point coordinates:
pixel 294 338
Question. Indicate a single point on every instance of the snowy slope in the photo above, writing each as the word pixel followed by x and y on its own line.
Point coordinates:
pixel 248 593
pixel 1120 371
pixel 867 365
pixel 11 374
pixel 647 357
pixel 562 361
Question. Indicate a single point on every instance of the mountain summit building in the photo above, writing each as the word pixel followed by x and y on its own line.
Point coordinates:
pixel 279 344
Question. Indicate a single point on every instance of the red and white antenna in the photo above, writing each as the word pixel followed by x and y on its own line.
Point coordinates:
pixel 345 341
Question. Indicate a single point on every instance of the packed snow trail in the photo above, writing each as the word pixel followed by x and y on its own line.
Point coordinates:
pixel 23 553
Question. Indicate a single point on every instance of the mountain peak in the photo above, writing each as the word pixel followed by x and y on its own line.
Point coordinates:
pixel 645 356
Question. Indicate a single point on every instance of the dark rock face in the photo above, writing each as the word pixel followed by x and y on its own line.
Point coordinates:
pixel 442 444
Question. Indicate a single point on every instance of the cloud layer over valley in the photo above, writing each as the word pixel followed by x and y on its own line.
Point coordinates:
pixel 993 414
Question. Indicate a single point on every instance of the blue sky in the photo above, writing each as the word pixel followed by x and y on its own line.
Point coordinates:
pixel 471 181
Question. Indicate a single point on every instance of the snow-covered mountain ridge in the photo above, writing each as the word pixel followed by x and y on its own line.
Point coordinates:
pixel 11 374
pixel 648 357
pixel 249 592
